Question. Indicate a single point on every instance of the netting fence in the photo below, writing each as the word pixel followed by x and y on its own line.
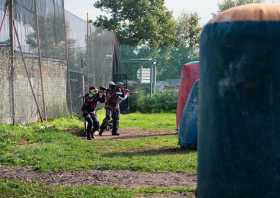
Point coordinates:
pixel 48 79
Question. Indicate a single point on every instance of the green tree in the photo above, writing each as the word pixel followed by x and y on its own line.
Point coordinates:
pixel 138 22
pixel 231 3
pixel 187 30
pixel 170 60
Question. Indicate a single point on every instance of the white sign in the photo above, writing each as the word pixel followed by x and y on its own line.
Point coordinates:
pixel 143 74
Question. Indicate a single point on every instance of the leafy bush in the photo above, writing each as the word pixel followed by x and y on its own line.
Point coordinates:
pixel 160 102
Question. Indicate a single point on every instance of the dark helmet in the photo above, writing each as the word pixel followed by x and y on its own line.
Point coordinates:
pixel 112 85
pixel 92 87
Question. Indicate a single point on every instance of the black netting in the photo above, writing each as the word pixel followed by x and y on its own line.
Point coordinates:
pixel 91 52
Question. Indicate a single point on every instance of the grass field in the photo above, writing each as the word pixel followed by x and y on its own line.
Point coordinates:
pixel 155 121
pixel 47 146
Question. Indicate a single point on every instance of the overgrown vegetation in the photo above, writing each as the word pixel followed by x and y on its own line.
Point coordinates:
pixel 160 102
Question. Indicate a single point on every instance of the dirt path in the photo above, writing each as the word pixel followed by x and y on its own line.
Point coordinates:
pixel 122 178
pixel 128 179
pixel 124 134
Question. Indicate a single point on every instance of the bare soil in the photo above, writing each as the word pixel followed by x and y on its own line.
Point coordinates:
pixel 124 134
pixel 128 179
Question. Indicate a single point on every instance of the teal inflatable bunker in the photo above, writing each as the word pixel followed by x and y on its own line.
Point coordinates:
pixel 239 104
pixel 187 130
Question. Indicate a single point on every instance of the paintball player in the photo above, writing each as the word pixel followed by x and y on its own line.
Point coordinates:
pixel 119 87
pixel 89 110
pixel 124 94
pixel 114 96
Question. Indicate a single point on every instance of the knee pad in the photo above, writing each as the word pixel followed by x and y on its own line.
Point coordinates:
pixel 106 122
pixel 87 116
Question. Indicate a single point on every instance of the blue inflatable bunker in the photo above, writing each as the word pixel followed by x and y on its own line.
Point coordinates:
pixel 187 130
pixel 239 104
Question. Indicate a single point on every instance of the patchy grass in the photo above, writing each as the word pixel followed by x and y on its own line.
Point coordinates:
pixel 47 146
pixel 151 142
pixel 64 151
pixel 33 189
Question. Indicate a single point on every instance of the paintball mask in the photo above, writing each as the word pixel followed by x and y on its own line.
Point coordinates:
pixel 119 85
pixel 112 85
pixel 93 91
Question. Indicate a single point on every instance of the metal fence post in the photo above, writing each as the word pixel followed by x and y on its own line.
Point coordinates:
pixel 151 80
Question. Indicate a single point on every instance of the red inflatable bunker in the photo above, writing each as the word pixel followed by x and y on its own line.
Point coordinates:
pixel 188 77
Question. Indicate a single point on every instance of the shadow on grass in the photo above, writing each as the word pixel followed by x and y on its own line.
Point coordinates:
pixel 125 134
pixel 125 137
pixel 149 152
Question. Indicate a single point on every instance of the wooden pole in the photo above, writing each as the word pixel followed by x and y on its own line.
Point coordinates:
pixel 67 62
pixel 40 62
pixel 102 69
pixel 92 55
pixel 114 32
pixel 87 57
pixel 28 74
pixel 12 59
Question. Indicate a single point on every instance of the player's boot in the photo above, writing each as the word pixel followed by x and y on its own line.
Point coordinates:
pixel 115 127
pixel 103 126
pixel 88 136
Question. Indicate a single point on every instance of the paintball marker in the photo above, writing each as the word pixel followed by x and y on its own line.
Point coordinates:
pixel 102 88
pixel 127 91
